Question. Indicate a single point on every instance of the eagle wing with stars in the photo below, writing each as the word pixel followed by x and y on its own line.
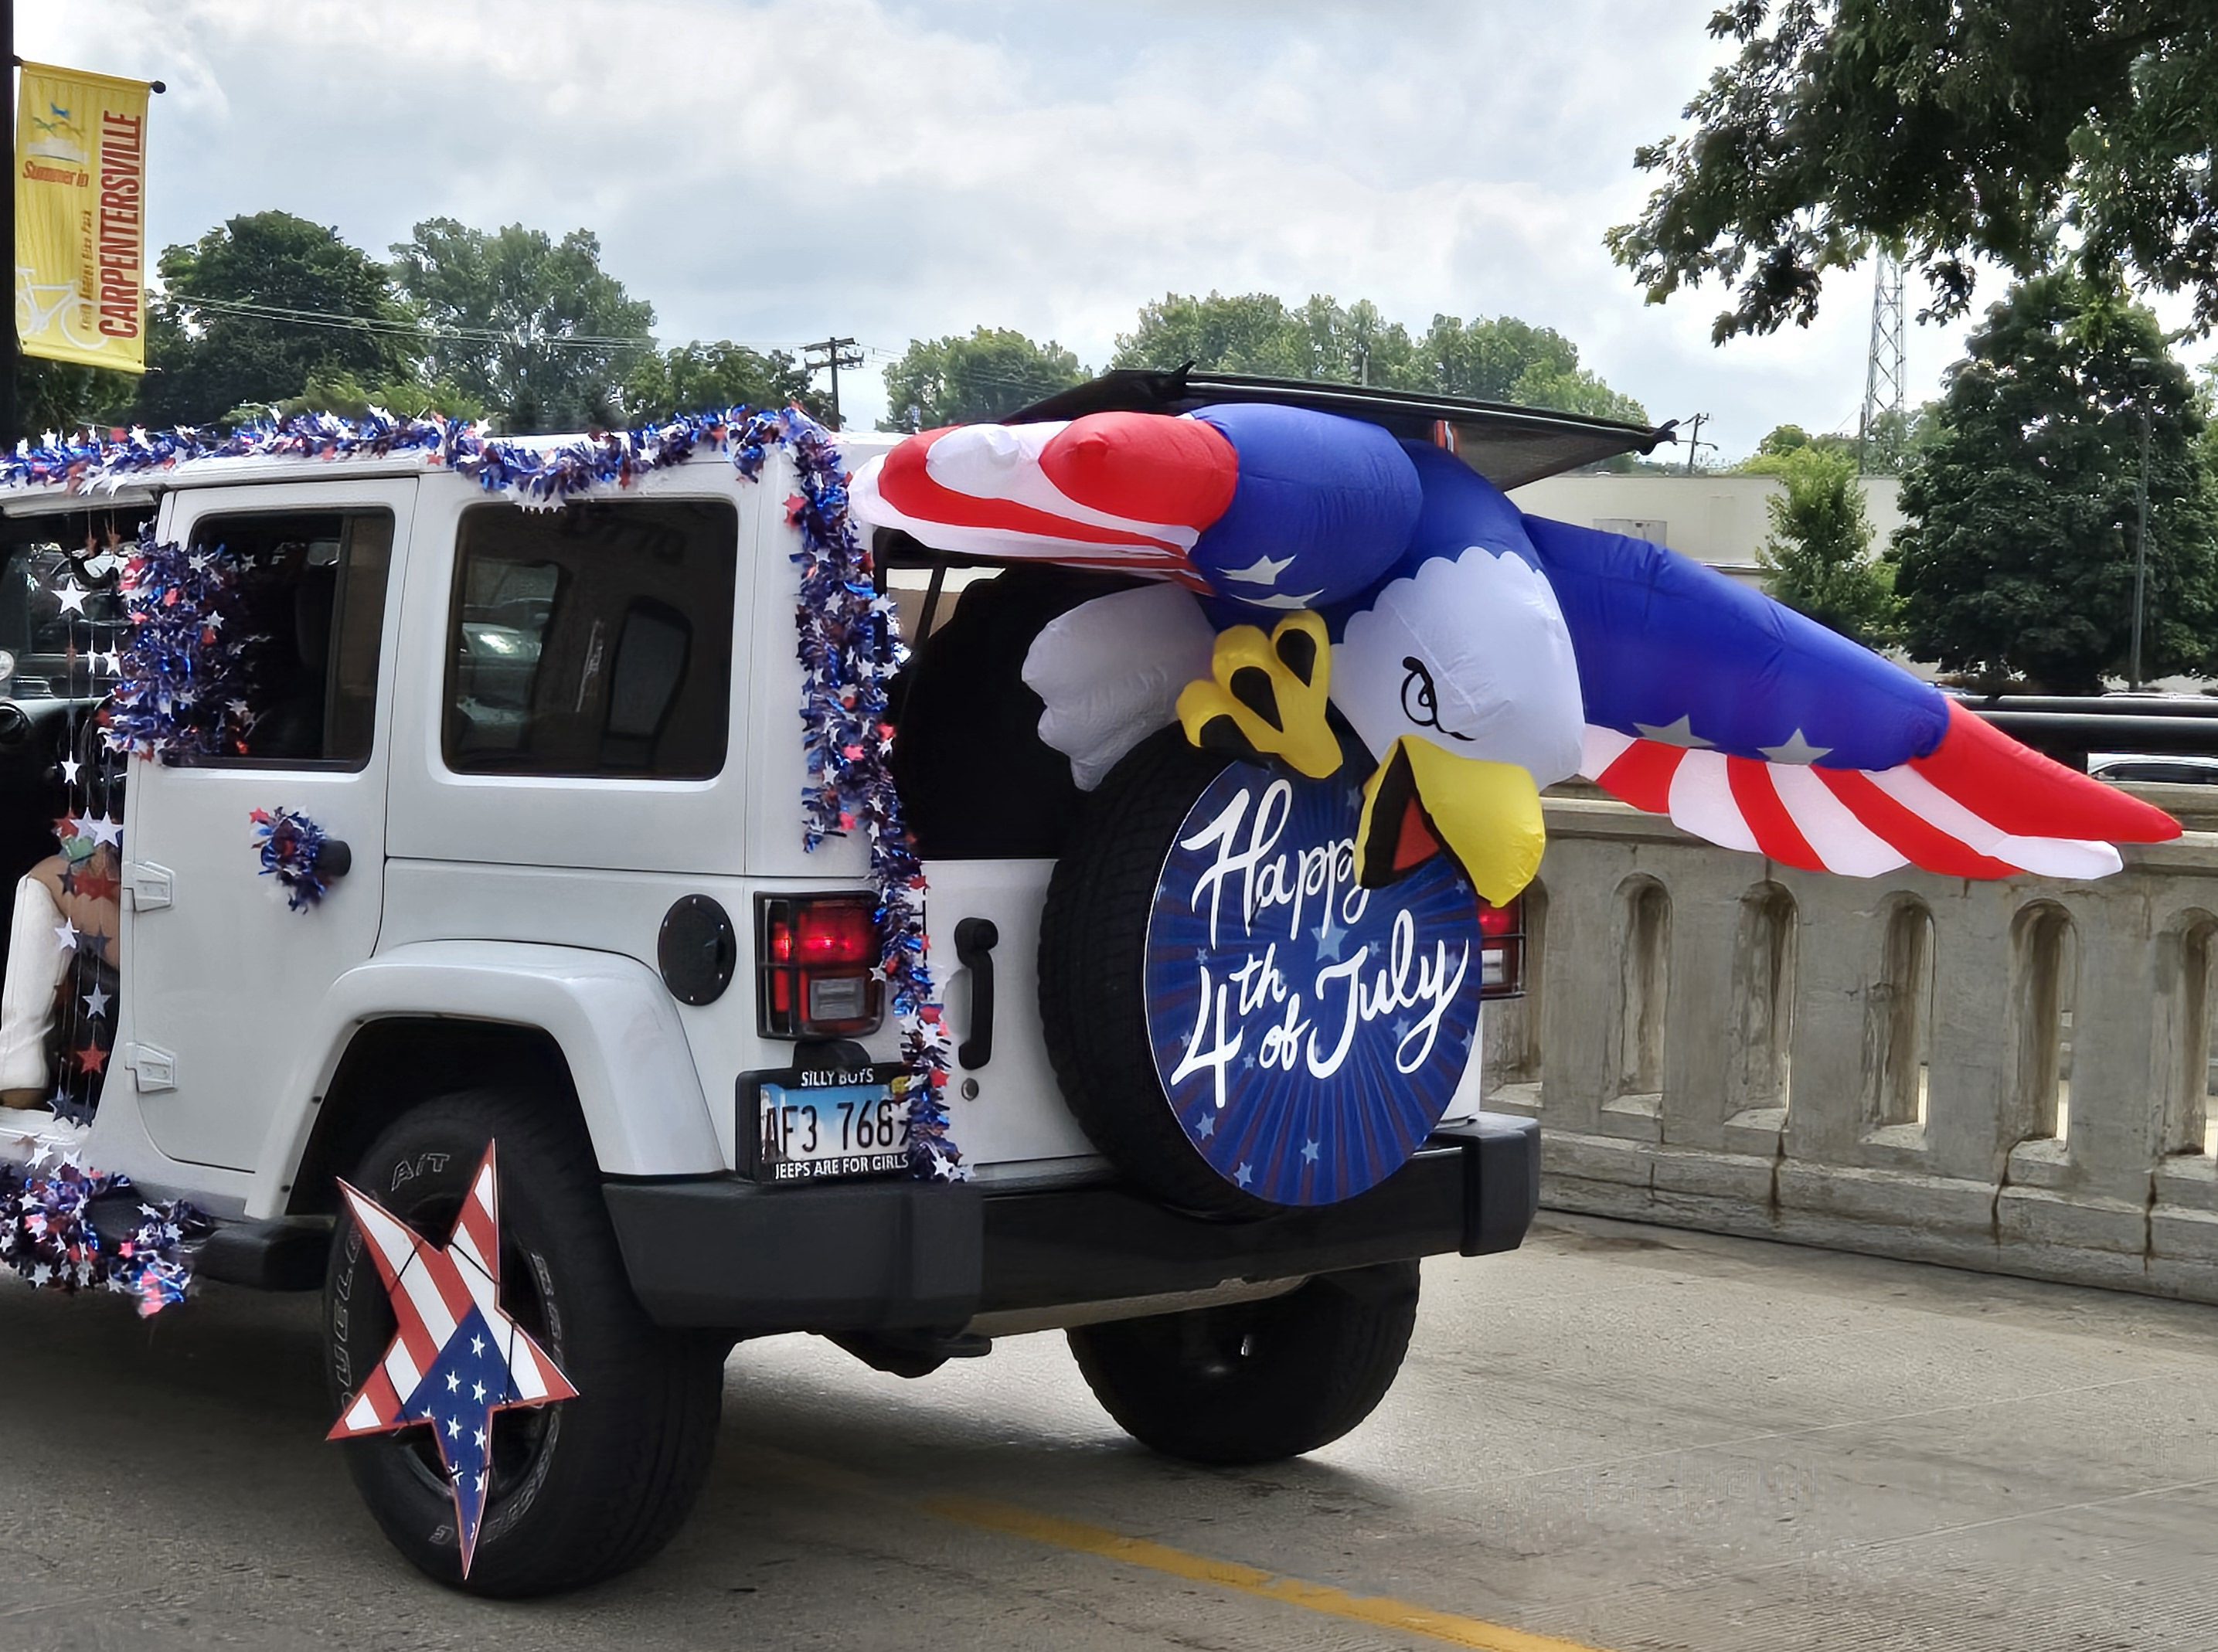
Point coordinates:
pixel 1758 729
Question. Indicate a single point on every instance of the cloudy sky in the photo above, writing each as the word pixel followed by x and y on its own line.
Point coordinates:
pixel 772 171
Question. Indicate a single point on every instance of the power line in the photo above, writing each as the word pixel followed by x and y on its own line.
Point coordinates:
pixel 403 328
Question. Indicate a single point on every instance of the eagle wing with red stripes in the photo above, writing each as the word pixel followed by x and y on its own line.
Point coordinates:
pixel 1758 729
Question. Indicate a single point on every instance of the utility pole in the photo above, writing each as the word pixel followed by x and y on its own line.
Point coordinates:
pixel 2140 545
pixel 1694 443
pixel 835 353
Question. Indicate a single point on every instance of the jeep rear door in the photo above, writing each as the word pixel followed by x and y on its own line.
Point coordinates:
pixel 222 978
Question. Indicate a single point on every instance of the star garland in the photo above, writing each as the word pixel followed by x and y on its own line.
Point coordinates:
pixel 849 647
pixel 849 643
pixel 291 848
pixel 182 684
pixel 48 1236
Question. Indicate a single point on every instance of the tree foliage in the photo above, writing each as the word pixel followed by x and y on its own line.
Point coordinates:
pixel 61 397
pixel 406 396
pixel 704 378
pixel 246 318
pixel 1889 448
pixel 2017 560
pixel 1956 129
pixel 529 326
pixel 955 380
pixel 1819 556
pixel 1497 358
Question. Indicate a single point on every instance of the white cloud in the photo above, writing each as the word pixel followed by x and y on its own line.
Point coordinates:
pixel 778 170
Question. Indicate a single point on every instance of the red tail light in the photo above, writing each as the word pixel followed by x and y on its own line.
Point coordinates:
pixel 817 965
pixel 1501 949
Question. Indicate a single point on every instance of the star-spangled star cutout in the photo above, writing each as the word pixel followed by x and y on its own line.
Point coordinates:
pixel 71 595
pixel 107 830
pixel 70 767
pixel 1681 733
pixel 452 1331
pixel 1796 750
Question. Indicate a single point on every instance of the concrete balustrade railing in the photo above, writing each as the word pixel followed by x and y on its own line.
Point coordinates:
pixel 2010 1076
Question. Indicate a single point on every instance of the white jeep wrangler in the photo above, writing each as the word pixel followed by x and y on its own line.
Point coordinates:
pixel 556 754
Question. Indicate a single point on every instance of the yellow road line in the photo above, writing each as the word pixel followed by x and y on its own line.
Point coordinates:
pixel 1378 1610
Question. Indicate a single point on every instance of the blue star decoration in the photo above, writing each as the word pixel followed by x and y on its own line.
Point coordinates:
pixel 456 1359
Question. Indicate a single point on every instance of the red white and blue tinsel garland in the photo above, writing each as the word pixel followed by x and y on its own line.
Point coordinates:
pixel 181 691
pixel 850 648
pixel 49 1234
pixel 849 645
pixel 291 849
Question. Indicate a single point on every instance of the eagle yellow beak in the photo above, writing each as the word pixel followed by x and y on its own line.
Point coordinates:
pixel 1421 799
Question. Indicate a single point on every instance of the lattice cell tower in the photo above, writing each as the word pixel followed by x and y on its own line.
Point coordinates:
pixel 1884 369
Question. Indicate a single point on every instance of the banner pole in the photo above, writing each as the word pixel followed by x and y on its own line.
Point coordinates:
pixel 10 350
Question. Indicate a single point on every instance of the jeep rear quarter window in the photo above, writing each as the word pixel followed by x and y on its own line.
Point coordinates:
pixel 593 640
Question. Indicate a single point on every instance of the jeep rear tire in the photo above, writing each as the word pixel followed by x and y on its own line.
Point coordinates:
pixel 1092 965
pixel 1255 1381
pixel 581 1490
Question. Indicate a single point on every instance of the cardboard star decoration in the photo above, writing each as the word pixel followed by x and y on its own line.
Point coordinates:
pixel 457 1360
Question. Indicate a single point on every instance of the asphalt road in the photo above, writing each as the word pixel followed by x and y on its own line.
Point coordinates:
pixel 1620 1438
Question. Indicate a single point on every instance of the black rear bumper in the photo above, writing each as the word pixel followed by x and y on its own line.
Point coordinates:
pixel 731 1255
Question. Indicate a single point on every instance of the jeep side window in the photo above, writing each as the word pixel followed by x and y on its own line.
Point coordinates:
pixel 594 641
pixel 309 599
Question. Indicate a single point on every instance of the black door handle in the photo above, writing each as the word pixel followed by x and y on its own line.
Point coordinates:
pixel 335 859
pixel 975 940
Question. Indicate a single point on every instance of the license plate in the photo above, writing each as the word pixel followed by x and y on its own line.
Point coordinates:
pixel 819 1124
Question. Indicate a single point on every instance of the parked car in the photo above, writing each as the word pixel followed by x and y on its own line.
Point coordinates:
pixel 2128 768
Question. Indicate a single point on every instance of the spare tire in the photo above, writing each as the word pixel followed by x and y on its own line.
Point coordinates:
pixel 1237 1026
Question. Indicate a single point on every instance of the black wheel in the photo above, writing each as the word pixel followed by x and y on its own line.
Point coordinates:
pixel 1094 937
pixel 579 1491
pixel 1255 1381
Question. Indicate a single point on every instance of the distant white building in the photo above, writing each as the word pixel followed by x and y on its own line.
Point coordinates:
pixel 1720 520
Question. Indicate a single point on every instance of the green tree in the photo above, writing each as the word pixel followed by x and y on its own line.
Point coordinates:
pixel 406 396
pixel 63 398
pixel 955 381
pixel 1819 556
pixel 711 378
pixel 532 327
pixel 1956 129
pixel 2019 557
pixel 257 306
pixel 1575 391
pixel 1896 440
pixel 1253 332
pixel 1489 358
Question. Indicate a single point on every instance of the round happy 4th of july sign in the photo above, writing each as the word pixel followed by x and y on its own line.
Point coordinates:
pixel 1309 1033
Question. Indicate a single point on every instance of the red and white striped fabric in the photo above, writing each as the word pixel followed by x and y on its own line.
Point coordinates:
pixel 433 1291
pixel 1978 806
pixel 1122 492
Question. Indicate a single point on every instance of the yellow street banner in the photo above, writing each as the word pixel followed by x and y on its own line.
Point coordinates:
pixel 80 222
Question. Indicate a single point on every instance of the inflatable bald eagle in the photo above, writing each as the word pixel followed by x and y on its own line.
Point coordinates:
pixel 1294 659
pixel 1478 653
